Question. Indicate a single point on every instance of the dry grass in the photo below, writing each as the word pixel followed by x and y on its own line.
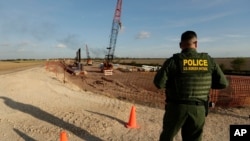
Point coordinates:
pixel 160 61
pixel 13 65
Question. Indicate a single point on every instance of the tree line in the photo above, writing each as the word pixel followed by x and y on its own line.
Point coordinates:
pixel 237 64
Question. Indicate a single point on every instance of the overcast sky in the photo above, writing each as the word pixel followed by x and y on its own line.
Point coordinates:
pixel 43 29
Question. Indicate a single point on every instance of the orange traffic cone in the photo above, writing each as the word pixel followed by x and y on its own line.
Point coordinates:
pixel 132 119
pixel 63 136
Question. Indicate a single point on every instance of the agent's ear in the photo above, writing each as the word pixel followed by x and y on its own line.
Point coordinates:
pixel 196 44
pixel 180 45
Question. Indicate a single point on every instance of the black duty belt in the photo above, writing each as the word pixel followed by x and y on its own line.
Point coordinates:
pixel 188 102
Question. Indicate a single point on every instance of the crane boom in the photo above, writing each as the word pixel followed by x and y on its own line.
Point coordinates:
pixel 116 25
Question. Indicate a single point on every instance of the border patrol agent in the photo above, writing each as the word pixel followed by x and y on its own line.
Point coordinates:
pixel 188 77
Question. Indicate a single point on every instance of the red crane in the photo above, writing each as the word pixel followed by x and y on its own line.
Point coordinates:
pixel 116 25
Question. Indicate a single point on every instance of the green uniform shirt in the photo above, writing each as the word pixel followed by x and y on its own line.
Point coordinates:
pixel 168 74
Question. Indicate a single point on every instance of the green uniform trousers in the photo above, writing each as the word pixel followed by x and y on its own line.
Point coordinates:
pixel 190 118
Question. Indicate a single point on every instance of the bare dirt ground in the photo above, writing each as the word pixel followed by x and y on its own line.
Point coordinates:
pixel 137 87
pixel 36 104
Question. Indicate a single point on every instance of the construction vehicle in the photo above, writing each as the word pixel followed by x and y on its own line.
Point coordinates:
pixel 89 60
pixel 77 67
pixel 116 25
pixel 77 63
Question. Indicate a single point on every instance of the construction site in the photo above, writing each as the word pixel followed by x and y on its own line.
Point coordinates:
pixel 137 86
pixel 88 99
pixel 130 83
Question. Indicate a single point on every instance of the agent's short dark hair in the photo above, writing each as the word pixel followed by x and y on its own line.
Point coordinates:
pixel 188 35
